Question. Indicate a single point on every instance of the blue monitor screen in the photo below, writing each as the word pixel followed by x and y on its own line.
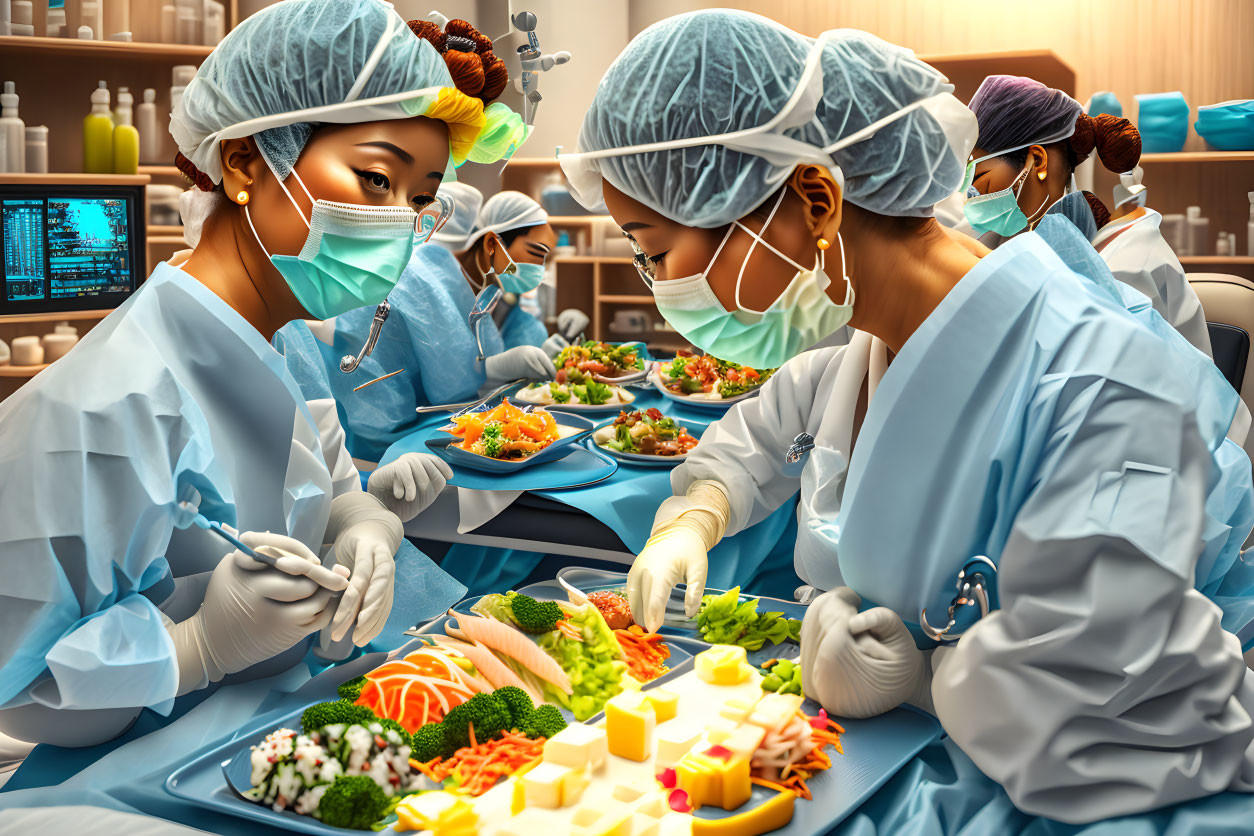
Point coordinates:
pixel 67 250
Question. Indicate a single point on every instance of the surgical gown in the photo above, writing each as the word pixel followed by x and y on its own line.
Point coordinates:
pixel 1032 419
pixel 427 334
pixel 172 397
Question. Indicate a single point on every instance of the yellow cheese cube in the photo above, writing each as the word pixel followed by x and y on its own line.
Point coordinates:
pixel 723 664
pixel 629 726
pixel 720 729
pixel 744 740
pixel 552 785
pixel 440 812
pixel 654 804
pixel 578 746
pixel 606 818
pixel 676 824
pixel 665 703
pixel 738 709
pixel 673 742
pixel 774 711
pixel 716 777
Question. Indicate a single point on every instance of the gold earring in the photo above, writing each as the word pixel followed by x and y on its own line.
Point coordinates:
pixel 242 198
pixel 1040 175
pixel 824 243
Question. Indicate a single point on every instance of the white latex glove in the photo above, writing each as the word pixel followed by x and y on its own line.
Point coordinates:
pixel 252 612
pixel 860 664
pixel 571 323
pixel 554 344
pixel 525 362
pixel 411 483
pixel 677 554
pixel 366 537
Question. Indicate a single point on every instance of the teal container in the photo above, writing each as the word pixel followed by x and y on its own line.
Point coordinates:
pixel 1227 126
pixel 1105 101
pixel 1163 120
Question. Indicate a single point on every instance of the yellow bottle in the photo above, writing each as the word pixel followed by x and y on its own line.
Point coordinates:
pixel 98 134
pixel 125 137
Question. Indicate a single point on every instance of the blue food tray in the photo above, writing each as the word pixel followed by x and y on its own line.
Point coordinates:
pixel 695 429
pixel 578 468
pixel 442 445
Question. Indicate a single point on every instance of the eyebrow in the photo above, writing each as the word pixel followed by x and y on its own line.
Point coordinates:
pixel 634 225
pixel 536 246
pixel 401 153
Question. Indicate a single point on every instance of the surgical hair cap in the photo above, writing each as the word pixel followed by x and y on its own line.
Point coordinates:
pixel 713 72
pixel 297 55
pixel 505 211
pixel 467 201
pixel 1015 112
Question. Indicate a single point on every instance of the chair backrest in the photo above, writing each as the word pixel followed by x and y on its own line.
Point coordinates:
pixel 1228 302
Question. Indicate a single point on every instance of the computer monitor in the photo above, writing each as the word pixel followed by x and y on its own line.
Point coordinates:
pixel 70 248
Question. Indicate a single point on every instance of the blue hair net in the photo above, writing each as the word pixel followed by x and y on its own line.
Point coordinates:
pixel 298 55
pixel 1015 112
pixel 713 72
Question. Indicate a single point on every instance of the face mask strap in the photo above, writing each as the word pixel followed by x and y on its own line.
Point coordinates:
pixel 758 239
pixel 283 186
pixel 249 216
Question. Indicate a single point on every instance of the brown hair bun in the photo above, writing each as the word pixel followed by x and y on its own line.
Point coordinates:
pixel 1083 138
pixel 188 169
pixel 1118 142
pixel 468 53
pixel 1100 213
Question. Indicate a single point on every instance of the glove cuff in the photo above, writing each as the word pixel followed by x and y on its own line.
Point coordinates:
pixel 704 509
pixel 355 507
pixel 196 665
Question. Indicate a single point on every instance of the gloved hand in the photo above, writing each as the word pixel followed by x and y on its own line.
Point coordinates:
pixel 411 483
pixel 684 530
pixel 860 664
pixel 571 323
pixel 554 344
pixel 252 612
pixel 523 362
pixel 366 537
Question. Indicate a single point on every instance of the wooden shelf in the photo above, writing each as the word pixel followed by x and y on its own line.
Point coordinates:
pixel 576 220
pixel 1199 157
pixel 1216 259
pixel 593 259
pixel 158 231
pixel 160 171
pixel 63 316
pixel 67 179
pixel 967 70
pixel 532 162
pixel 617 298
pixel 167 240
pixel 55 48
pixel 22 371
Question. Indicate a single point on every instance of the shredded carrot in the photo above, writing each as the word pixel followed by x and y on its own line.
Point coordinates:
pixel 644 653
pixel 794 776
pixel 477 768
pixel 418 689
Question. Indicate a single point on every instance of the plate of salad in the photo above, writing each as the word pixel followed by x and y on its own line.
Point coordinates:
pixel 647 437
pixel 505 438
pixel 603 362
pixel 707 381
pixel 580 393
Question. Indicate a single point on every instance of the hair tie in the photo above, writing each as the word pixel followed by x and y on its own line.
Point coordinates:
pixel 458 43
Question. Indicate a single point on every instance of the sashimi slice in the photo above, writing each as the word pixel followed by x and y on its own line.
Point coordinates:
pixel 496 672
pixel 505 639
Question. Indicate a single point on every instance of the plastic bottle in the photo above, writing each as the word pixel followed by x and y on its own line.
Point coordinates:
pixel 1221 244
pixel 564 246
pixel 167 24
pixel 215 22
pixel 85 34
pixel 56 22
pixel 125 137
pixel 1198 231
pixel 90 16
pixel 149 134
pixel 23 17
pixel 37 149
pixel 14 131
pixel 6 23
pixel 1249 228
pixel 98 134
pixel 181 75
pixel 1173 231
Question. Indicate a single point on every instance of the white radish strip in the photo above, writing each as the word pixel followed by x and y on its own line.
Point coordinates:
pixel 512 643
pixel 405 699
pixel 426 709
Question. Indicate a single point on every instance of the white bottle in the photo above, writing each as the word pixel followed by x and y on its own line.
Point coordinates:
pixel 1221 244
pixel 6 23
pixel 1249 228
pixel 1173 231
pixel 167 24
pixel 215 22
pixel 23 14
pixel 1197 231
pixel 181 75
pixel 86 34
pixel 149 133
pixel 90 16
pixel 37 149
pixel 14 131
pixel 56 22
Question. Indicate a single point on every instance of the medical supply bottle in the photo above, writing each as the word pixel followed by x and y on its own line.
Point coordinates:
pixel 37 149
pixel 98 134
pixel 125 137
pixel 14 131
pixel 149 133
pixel 1197 230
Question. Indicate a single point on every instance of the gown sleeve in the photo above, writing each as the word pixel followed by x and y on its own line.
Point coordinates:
pixel 1105 685
pixel 521 328
pixel 744 450
pixel 1147 263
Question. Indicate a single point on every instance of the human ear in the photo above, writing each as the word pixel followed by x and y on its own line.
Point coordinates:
pixel 240 160
pixel 821 200
pixel 1038 162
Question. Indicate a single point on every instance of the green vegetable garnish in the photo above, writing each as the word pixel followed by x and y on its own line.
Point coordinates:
pixel 532 615
pixel 351 690
pixel 545 721
pixel 492 439
pixel 429 743
pixel 486 712
pixel 353 801
pixel 324 714
pixel 594 665
pixel 559 393
pixel 517 703
pixel 725 619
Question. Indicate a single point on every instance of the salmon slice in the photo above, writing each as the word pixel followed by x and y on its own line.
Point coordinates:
pixel 496 672
pixel 513 643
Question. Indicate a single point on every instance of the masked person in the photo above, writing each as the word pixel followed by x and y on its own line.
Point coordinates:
pixel 1029 430
pixel 310 187
pixel 1031 139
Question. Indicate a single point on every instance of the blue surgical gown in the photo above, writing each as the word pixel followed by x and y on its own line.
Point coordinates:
pixel 521 328
pixel 427 334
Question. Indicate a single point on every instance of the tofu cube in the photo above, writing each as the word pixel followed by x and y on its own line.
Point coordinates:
pixel 665 703
pixel 654 804
pixel 723 664
pixel 642 825
pixel 744 740
pixel 715 777
pixel 673 742
pixel 630 792
pixel 629 726
pixel 552 785
pixel 675 824
pixel 774 711
pixel 738 709
pixel 526 823
pixel 578 746
pixel 606 818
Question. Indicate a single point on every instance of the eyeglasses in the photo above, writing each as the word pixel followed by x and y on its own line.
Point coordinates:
pixel 431 218
pixel 643 264
pixel 485 303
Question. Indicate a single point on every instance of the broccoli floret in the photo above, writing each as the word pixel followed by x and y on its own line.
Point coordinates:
pixel 532 615
pixel 485 712
pixel 545 721
pixel 329 713
pixel 351 690
pixel 389 723
pixel 492 439
pixel 517 703
pixel 353 801
pixel 430 743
